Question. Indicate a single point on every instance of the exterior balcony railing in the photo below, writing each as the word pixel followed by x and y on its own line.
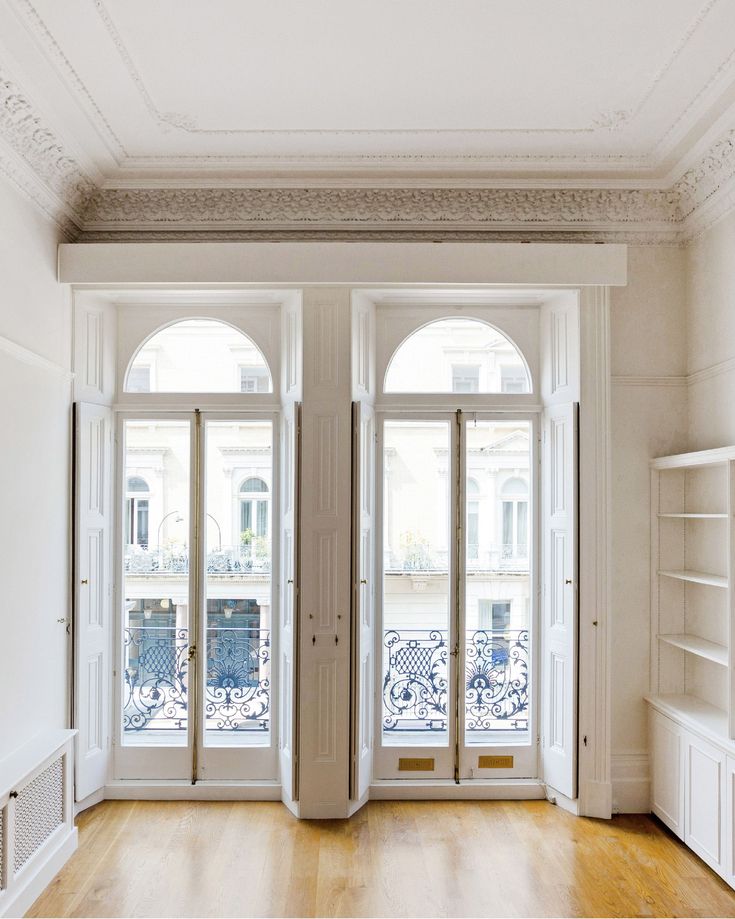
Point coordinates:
pixel 175 560
pixel 506 557
pixel 416 681
pixel 237 691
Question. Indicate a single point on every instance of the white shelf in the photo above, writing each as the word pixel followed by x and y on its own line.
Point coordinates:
pixel 694 713
pixel 695 516
pixel 690 460
pixel 709 650
pixel 696 577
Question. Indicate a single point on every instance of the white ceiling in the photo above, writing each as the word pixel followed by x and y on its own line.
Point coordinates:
pixel 511 89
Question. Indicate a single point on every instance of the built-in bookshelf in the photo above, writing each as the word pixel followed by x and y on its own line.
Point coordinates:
pixel 691 595
pixel 692 661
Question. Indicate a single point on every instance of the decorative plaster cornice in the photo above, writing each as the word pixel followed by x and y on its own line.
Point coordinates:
pixel 34 144
pixel 381 209
pixel 38 162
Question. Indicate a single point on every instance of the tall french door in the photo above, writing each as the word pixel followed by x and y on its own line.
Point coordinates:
pixel 457 551
pixel 195 656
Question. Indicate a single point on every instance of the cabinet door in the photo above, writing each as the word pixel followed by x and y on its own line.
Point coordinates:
pixel 667 790
pixel 704 782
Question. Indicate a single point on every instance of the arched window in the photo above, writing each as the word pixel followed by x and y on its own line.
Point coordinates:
pixel 137 510
pixel 254 497
pixel 199 356
pixel 514 499
pixel 457 355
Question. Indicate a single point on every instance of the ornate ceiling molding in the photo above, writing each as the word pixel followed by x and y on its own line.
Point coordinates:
pixel 37 161
pixel 32 150
pixel 605 121
pixel 380 209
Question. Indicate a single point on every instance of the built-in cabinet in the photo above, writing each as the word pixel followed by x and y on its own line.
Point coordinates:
pixel 692 724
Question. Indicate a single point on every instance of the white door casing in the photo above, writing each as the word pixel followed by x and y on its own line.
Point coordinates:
pixel 559 617
pixel 92 594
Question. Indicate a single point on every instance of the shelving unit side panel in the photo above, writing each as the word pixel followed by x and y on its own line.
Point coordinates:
pixel 730 541
pixel 655 593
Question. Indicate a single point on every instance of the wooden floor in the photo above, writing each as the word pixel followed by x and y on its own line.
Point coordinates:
pixel 477 858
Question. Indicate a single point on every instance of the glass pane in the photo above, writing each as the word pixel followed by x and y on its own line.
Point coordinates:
pixel 473 530
pixel 156 560
pixel 199 355
pixel 507 524
pixel 246 520
pixel 415 582
pixel 237 699
pixel 262 527
pixel 428 360
pixel 522 534
pixel 142 534
pixel 498 586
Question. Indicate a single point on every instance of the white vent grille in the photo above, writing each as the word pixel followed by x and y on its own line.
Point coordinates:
pixel 39 810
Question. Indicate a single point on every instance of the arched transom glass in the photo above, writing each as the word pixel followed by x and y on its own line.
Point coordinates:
pixel 199 356
pixel 460 356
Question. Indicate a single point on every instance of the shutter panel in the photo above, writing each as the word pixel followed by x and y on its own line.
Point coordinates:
pixel 559 626
pixel 92 594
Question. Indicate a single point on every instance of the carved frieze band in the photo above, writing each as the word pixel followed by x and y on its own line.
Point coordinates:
pixel 379 208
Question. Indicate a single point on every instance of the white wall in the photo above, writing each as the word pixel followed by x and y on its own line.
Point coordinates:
pixel 34 471
pixel 711 336
pixel 649 418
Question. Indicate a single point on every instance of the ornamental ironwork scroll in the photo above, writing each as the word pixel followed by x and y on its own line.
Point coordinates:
pixel 415 681
pixel 237 695
pixel 155 692
pixel 156 673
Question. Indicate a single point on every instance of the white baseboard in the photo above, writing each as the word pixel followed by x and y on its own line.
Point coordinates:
pixel 28 888
pixel 185 791
pixel 497 790
pixel 631 783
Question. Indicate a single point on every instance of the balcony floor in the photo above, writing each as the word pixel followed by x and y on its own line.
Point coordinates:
pixel 481 858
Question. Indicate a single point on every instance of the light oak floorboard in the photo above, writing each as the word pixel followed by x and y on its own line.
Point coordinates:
pixel 408 858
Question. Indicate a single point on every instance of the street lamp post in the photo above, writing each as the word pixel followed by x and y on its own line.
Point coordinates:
pixel 163 520
pixel 219 532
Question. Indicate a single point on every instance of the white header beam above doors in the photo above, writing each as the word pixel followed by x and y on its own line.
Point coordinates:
pixel 354 264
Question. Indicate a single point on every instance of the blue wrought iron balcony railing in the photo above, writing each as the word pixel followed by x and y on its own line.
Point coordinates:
pixel 237 691
pixel 416 680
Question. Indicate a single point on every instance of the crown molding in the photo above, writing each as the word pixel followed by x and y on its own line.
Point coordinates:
pixel 37 161
pixel 381 209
